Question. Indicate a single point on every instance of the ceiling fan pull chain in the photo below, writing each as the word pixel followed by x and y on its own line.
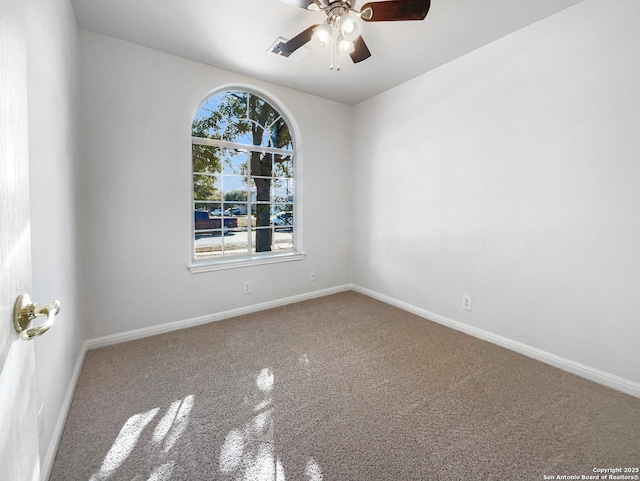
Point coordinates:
pixel 331 54
pixel 332 47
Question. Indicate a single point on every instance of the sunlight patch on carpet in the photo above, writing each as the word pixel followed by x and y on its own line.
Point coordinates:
pixel 248 452
pixel 162 472
pixel 231 452
pixel 313 471
pixel 179 424
pixel 124 444
pixel 265 380
pixel 165 434
pixel 166 422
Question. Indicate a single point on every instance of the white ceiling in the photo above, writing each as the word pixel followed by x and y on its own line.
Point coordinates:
pixel 236 34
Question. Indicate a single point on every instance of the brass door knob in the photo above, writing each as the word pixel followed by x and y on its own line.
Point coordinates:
pixel 26 311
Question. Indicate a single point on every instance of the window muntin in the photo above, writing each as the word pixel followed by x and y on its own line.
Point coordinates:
pixel 243 178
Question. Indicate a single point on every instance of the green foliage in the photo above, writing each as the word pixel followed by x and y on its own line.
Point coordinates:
pixel 206 161
pixel 236 196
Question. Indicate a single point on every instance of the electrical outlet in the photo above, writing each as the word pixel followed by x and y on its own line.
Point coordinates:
pixel 247 287
pixel 313 276
pixel 466 302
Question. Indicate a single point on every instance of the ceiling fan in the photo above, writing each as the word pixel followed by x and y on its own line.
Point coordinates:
pixel 343 27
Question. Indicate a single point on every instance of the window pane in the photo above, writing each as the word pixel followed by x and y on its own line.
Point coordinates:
pixel 262 164
pixel 234 209
pixel 235 187
pixel 280 208
pixel 208 243
pixel 282 239
pixel 221 117
pixel 235 242
pixel 280 135
pixel 262 239
pixel 244 220
pixel 214 208
pixel 244 132
pixel 234 161
pixel 206 187
pixel 206 123
pixel 282 190
pixel 282 216
pixel 261 112
pixel 262 214
pixel 231 106
pixel 207 159
pixel 283 166
pixel 261 186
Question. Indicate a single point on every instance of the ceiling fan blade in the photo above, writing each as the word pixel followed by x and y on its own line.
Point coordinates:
pixel 302 4
pixel 392 10
pixel 361 51
pixel 296 42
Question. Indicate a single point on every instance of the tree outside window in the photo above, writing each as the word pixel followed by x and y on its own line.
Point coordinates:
pixel 243 178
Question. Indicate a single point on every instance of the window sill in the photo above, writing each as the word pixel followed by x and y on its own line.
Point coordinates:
pixel 217 265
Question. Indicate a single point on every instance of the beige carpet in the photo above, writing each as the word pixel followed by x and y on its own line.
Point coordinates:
pixel 338 388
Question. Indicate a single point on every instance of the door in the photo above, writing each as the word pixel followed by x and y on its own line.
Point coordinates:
pixel 19 459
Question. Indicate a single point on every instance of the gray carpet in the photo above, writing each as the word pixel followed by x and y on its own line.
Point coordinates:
pixel 338 388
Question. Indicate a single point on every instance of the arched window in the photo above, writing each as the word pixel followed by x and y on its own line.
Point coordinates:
pixel 244 161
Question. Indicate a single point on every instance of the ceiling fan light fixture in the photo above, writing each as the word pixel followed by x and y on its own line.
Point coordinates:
pixel 350 27
pixel 341 31
pixel 322 35
pixel 345 47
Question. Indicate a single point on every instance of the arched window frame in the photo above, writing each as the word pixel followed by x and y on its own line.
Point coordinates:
pixel 256 258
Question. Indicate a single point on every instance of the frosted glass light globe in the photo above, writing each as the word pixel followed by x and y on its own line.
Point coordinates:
pixel 345 46
pixel 350 26
pixel 321 37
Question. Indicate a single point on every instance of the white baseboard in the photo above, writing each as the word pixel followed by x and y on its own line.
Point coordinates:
pixel 47 463
pixel 592 374
pixel 197 321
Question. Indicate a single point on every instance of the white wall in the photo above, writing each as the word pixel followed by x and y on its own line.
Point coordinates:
pixel 136 106
pixel 512 175
pixel 52 82
pixel 517 173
